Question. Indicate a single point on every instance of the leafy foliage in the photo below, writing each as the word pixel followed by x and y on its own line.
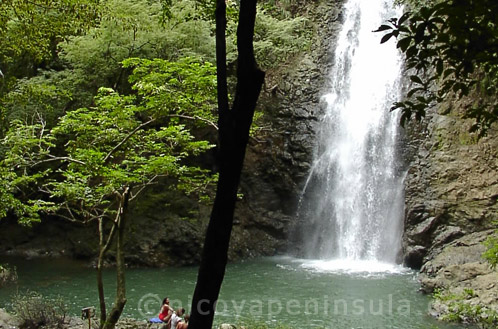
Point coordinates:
pixel 491 253
pixel 184 88
pixel 34 96
pixel 121 142
pixel 31 30
pixel 17 182
pixel 98 168
pixel 132 29
pixel 115 30
pixel 450 48
pixel 460 308
pixel 86 54
pixel 93 59
pixel 277 38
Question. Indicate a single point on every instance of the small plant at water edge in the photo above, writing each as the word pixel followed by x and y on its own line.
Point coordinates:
pixel 491 253
pixel 458 308
pixel 35 311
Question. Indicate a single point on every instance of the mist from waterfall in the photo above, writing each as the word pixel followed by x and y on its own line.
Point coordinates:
pixel 353 199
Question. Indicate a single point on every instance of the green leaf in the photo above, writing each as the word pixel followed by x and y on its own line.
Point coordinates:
pixel 383 28
pixel 439 66
pixel 404 17
pixel 386 37
pixel 411 51
pixel 416 79
pixel 422 100
pixel 405 117
pixel 413 92
pixel 404 43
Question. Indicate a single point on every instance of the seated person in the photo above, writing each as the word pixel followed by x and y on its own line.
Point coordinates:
pixel 183 324
pixel 166 311
pixel 176 317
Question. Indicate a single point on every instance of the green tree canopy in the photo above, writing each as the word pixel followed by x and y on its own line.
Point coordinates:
pixel 123 141
pixel 450 48
pixel 31 30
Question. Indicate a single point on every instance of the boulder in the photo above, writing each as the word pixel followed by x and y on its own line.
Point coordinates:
pixel 227 326
pixel 414 256
pixel 7 321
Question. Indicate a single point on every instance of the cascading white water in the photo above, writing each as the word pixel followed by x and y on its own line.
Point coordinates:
pixel 353 199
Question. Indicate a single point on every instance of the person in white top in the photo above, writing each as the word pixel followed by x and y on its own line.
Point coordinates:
pixel 176 317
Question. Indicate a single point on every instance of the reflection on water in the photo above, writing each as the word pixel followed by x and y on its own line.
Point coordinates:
pixel 292 291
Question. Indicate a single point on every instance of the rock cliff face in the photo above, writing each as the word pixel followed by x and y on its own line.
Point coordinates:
pixel 451 203
pixel 451 187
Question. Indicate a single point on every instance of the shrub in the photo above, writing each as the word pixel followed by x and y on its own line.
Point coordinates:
pixel 34 311
pixel 491 253
pixel 460 309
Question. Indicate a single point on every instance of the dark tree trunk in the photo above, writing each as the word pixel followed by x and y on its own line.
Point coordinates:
pixel 234 127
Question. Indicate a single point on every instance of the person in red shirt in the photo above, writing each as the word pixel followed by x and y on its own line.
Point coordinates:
pixel 166 311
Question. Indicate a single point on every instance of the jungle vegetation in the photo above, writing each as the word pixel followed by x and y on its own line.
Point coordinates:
pixel 101 99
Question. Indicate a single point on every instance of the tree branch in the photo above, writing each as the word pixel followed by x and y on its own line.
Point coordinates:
pixel 140 190
pixel 53 158
pixel 42 130
pixel 196 117
pixel 107 244
pixel 127 137
pixel 70 212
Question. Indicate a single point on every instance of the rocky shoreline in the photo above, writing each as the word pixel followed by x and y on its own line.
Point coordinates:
pixel 8 321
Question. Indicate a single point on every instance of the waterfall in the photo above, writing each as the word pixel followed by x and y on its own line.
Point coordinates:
pixel 353 198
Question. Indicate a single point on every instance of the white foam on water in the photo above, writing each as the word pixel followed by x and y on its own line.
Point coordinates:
pixel 353 266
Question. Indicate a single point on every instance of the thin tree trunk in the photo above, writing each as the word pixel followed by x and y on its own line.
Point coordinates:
pixel 100 287
pixel 233 137
pixel 103 248
pixel 120 301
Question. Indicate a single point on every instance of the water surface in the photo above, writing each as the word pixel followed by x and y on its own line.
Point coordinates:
pixel 295 292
